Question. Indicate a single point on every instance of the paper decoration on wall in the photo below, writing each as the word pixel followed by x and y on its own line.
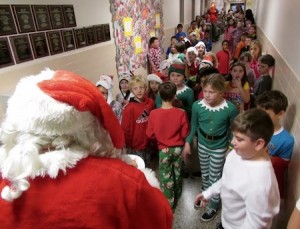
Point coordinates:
pixel 157 21
pixel 152 33
pixel 127 23
pixel 146 19
pixel 138 44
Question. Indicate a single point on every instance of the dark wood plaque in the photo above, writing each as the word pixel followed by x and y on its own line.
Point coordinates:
pixel 6 58
pixel 80 38
pixel 24 18
pixel 7 24
pixel 69 16
pixel 56 16
pixel 68 39
pixel 42 17
pixel 39 45
pixel 106 32
pixel 21 48
pixel 99 33
pixel 55 43
pixel 90 35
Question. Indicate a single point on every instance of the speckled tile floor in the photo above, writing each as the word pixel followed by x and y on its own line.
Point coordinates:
pixel 185 216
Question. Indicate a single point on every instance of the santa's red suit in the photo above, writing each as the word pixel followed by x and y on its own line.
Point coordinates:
pixel 98 193
pixel 50 177
pixel 213 13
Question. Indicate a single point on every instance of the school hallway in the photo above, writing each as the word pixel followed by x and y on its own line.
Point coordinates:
pixel 277 30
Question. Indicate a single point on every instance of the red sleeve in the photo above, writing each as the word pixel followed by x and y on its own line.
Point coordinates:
pixel 185 126
pixel 126 125
pixel 280 167
pixel 153 209
pixel 218 56
pixel 237 51
pixel 150 131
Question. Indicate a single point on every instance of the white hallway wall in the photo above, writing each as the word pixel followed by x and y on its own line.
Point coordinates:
pixel 279 24
pixel 171 10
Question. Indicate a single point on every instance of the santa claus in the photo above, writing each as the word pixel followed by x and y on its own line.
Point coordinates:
pixel 61 163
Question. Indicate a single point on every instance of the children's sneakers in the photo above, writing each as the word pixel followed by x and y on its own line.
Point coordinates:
pixel 196 175
pixel 208 215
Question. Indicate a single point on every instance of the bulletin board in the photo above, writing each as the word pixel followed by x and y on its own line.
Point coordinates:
pixel 134 23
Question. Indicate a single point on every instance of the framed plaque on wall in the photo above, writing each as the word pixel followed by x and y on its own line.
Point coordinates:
pixel 7 24
pixel 90 35
pixel 39 45
pixel 21 48
pixel 68 39
pixel 80 38
pixel 106 32
pixel 99 33
pixel 69 16
pixel 6 58
pixel 41 16
pixel 24 18
pixel 55 43
pixel 56 16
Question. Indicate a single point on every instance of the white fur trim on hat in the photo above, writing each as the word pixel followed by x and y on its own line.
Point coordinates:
pixel 186 39
pixel 106 82
pixel 208 62
pixel 124 76
pixel 193 34
pixel 192 49
pixel 200 43
pixel 154 77
pixel 46 115
pixel 164 64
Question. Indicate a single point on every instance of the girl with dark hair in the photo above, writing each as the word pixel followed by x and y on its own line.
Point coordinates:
pixel 237 89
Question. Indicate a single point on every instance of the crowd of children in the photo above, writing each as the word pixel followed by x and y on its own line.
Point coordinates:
pixel 196 92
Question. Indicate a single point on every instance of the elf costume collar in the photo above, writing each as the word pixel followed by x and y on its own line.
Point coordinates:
pixel 221 106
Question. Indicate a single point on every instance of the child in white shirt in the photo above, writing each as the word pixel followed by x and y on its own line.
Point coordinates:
pixel 248 187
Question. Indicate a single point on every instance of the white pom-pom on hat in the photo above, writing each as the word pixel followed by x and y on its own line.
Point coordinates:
pixel 106 81
pixel 154 77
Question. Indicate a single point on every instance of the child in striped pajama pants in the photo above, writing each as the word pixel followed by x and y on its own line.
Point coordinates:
pixel 211 118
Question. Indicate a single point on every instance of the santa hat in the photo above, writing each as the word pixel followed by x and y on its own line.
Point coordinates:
pixel 177 67
pixel 106 82
pixel 207 59
pixel 154 77
pixel 53 120
pixel 52 103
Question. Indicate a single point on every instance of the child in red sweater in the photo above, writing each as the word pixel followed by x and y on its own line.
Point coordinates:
pixel 224 58
pixel 170 136
pixel 135 119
